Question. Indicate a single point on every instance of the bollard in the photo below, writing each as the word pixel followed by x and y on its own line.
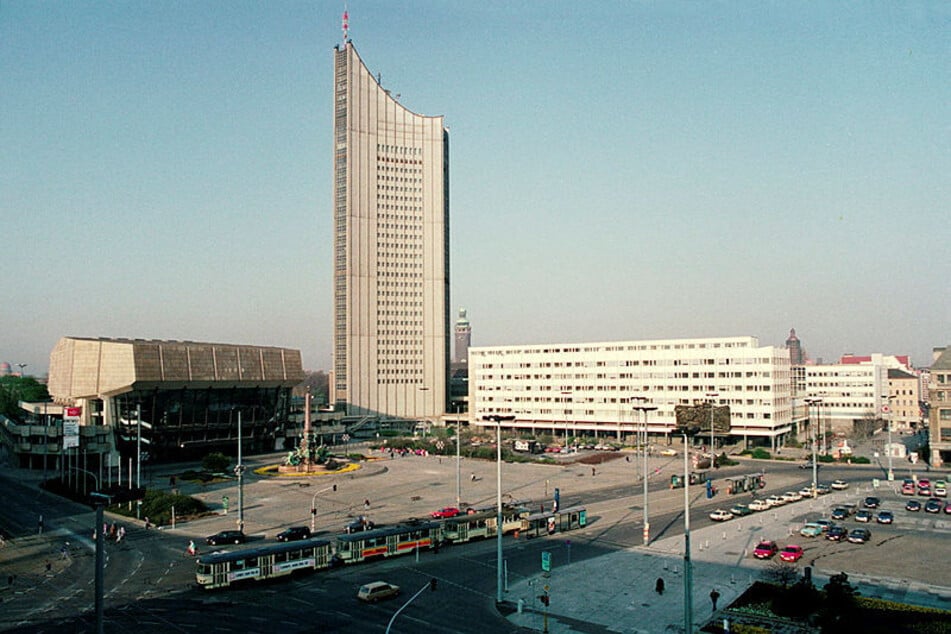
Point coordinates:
pixel 521 604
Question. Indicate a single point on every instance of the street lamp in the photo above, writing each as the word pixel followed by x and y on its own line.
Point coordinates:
pixel 21 366
pixel 239 470
pixel 886 412
pixel 815 466
pixel 498 419
pixel 688 572
pixel 645 409
pixel 313 507
pixel 712 396
pixel 458 464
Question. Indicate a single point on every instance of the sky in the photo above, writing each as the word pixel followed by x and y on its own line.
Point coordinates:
pixel 618 170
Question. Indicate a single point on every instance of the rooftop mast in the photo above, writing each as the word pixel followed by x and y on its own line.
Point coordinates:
pixel 346 26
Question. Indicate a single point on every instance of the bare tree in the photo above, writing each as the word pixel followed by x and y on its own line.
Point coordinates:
pixel 781 572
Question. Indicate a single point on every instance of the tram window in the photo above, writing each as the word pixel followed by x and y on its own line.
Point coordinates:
pixel 238 564
pixel 280 557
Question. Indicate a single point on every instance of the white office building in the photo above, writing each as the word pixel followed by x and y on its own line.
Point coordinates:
pixel 593 388
pixel 843 394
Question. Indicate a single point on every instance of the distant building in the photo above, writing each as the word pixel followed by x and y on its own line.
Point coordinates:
pixel 844 394
pixel 939 400
pixel 904 400
pixel 391 319
pixel 796 356
pixel 463 331
pixel 591 388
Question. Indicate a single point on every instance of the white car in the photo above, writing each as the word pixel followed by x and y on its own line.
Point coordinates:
pixel 791 496
pixel 720 515
pixel 668 452
pixel 806 492
pixel 840 485
pixel 758 505
pixel 775 500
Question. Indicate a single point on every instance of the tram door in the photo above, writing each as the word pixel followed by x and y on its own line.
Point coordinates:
pixel 266 562
pixel 220 573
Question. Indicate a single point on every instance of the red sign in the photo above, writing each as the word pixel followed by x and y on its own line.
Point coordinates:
pixel 74 411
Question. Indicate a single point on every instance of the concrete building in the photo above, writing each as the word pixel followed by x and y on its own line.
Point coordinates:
pixel 391 259
pixel 849 395
pixel 904 399
pixel 592 388
pixel 796 353
pixel 463 332
pixel 939 400
pixel 188 395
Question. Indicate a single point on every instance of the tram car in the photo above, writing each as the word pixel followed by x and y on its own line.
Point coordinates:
pixel 221 569
pixel 481 524
pixel 388 542
pixel 550 522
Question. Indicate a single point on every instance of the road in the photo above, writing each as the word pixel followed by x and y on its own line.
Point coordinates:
pixel 149 582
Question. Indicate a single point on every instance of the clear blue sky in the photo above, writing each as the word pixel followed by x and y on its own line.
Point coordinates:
pixel 619 170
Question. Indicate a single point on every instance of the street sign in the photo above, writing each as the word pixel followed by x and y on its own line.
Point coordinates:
pixel 345 437
pixel 546 561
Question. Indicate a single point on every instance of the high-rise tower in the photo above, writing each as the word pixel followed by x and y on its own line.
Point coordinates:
pixel 794 346
pixel 391 257
pixel 463 332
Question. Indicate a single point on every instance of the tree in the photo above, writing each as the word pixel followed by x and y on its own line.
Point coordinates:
pixel 14 389
pixel 216 462
pixel 781 572
pixel 840 603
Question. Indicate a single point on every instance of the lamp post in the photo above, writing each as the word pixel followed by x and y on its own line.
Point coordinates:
pixel 239 470
pixel 313 507
pixel 21 366
pixel 815 466
pixel 886 413
pixel 645 409
pixel 458 464
pixel 688 572
pixel 498 419
pixel 712 396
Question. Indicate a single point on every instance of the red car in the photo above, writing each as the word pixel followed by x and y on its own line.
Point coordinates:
pixel 765 550
pixel 791 553
pixel 448 511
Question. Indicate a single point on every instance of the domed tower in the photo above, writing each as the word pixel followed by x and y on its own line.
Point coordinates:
pixel 795 348
pixel 463 332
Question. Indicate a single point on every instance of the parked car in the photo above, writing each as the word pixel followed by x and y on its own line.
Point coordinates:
pixel 775 500
pixel 668 452
pixel 933 506
pixel 808 465
pixel 791 553
pixel 871 502
pixel 740 510
pixel 908 487
pixel 839 514
pixel 947 508
pixel 720 515
pixel 377 591
pixel 824 523
pixel 446 511
pixel 822 489
pixel 885 517
pixel 913 505
pixel 226 537
pixel 863 516
pixel 860 535
pixel 293 534
pixel 811 529
pixel 939 489
pixel 765 550
pixel 806 492
pixel 836 533
pixel 758 505
pixel 791 496
pixel 839 485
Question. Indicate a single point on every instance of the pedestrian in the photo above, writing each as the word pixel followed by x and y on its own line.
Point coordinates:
pixel 148 524
pixel 714 596
pixel 627 458
pixel 64 551
pixel 120 534
pixel 472 476
pixel 3 541
pixel 39 525
pixel 105 530
pixel 49 565
pixel 366 504
pixel 191 550
pixel 659 586
pixel 593 471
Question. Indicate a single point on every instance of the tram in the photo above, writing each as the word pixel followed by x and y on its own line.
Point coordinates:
pixel 547 523
pixel 482 524
pixel 388 542
pixel 222 569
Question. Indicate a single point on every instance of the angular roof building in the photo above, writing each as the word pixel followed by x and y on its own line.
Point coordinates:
pixel 391 330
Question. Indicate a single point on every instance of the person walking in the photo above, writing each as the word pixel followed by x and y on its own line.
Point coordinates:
pixel 714 596
pixel 191 550
pixel 659 586
pixel 366 504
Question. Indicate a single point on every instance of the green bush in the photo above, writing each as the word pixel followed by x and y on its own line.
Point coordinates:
pixel 860 460
pixel 216 462
pixel 157 506
pixel 761 454
pixel 825 458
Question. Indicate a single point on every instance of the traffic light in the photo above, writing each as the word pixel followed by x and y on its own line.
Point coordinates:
pixel 432 585
pixel 313 511
pixel 544 599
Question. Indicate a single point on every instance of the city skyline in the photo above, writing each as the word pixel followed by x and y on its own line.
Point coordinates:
pixel 624 171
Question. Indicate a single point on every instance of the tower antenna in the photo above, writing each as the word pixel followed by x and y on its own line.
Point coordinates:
pixel 346 25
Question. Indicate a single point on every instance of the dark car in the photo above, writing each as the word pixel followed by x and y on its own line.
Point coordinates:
pixel 836 533
pixel 359 524
pixel 808 465
pixel 226 537
pixel 840 513
pixel 933 506
pixel 860 535
pixel 884 517
pixel 293 534
pixel 871 502
pixel 913 505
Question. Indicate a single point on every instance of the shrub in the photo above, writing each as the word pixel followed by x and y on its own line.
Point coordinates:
pixel 761 454
pixel 216 462
pixel 860 460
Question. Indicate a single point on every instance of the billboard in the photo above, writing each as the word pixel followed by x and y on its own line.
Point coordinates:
pixel 696 419
pixel 71 427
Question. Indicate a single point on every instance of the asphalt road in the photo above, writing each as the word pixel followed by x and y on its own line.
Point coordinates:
pixel 149 583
